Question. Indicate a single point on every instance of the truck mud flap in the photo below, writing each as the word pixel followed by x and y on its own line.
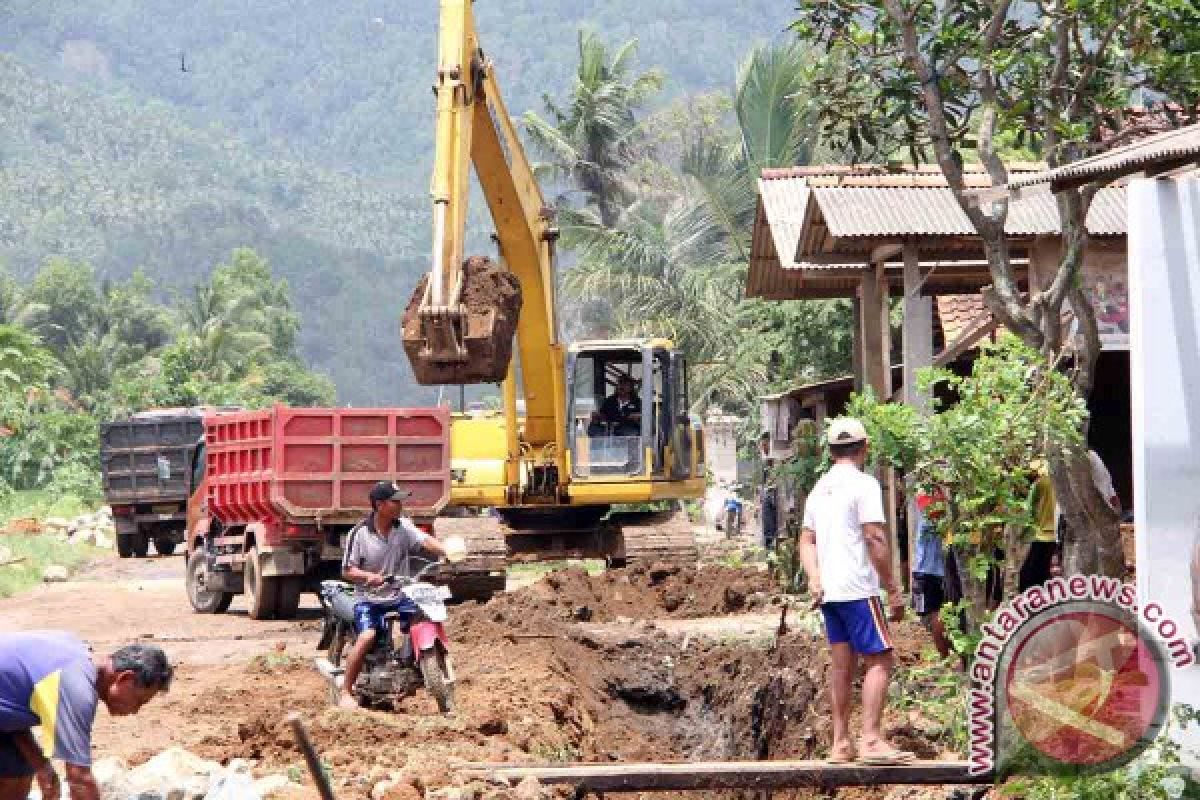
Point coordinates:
pixel 281 562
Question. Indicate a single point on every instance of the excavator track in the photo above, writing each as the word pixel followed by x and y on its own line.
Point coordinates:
pixel 483 572
pixel 648 537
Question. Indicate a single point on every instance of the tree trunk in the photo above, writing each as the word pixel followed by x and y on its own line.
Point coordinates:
pixel 1092 541
pixel 974 591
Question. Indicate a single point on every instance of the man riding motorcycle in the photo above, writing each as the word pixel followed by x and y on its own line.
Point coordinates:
pixel 380 545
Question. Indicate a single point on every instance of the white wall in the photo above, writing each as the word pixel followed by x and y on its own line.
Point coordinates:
pixel 1164 275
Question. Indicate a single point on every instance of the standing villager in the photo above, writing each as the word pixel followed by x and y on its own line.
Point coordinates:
pixel 768 494
pixel 846 553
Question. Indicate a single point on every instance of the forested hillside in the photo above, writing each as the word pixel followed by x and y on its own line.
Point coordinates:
pixel 301 129
pixel 347 83
pixel 122 183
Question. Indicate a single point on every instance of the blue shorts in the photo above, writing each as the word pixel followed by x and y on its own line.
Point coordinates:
pixel 369 614
pixel 861 623
pixel 12 763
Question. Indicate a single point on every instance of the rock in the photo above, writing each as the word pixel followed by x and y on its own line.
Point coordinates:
pixel 103 542
pixel 672 599
pixel 528 789
pixel 735 596
pixel 271 784
pixel 176 774
pixel 582 614
pixel 54 574
pixel 85 536
pixel 5 554
pixel 493 726
pixel 660 571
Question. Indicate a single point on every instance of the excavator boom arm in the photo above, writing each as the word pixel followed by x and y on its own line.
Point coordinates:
pixel 460 322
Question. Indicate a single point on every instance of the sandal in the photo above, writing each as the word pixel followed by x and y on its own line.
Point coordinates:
pixel 848 757
pixel 892 758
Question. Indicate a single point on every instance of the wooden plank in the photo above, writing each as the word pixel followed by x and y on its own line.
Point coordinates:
pixel 711 775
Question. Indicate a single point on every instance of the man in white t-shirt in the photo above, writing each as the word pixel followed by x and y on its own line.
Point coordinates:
pixel 846 552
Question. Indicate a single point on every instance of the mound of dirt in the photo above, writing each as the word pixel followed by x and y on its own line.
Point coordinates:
pixel 637 593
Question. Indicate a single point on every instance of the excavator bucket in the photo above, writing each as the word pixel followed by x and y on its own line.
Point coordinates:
pixel 473 342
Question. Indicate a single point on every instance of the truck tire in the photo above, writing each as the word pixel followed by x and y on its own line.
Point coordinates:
pixel 288 599
pixel 433 671
pixel 262 593
pixel 203 600
pixel 141 545
pixel 164 545
pixel 125 544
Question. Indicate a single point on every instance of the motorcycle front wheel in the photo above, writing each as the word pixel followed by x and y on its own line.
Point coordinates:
pixel 435 671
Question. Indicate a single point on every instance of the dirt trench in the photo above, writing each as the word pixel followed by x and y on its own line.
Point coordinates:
pixel 538 685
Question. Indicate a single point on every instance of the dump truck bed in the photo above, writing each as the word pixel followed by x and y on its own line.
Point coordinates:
pixel 288 465
pixel 131 452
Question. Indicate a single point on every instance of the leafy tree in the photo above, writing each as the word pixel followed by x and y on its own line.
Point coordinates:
pixel 675 260
pixel 594 140
pixel 961 79
pixel 63 304
pixel 1013 409
pixel 24 363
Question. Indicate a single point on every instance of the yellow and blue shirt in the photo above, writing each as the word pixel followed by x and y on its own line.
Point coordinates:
pixel 48 680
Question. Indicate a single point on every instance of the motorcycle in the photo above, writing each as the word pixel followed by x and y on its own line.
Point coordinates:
pixel 413 650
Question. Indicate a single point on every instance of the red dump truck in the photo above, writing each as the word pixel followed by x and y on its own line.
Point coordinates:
pixel 274 493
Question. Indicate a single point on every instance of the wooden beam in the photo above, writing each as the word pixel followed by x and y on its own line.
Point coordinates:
pixel 713 775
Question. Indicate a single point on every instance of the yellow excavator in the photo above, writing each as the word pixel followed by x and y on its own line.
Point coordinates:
pixel 586 431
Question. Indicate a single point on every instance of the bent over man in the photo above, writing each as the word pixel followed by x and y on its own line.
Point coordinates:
pixel 48 679
pixel 846 554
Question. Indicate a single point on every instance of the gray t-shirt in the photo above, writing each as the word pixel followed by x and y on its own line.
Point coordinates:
pixel 48 680
pixel 366 549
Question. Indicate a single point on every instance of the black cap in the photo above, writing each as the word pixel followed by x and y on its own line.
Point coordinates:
pixel 388 490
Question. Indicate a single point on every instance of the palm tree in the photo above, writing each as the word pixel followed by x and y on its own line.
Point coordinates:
pixel 673 262
pixel 595 138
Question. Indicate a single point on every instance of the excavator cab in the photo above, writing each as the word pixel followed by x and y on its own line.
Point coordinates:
pixel 628 411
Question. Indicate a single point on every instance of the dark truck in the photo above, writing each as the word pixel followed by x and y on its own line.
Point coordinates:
pixel 144 463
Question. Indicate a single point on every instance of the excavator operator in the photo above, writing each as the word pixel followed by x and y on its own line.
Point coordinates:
pixel 620 414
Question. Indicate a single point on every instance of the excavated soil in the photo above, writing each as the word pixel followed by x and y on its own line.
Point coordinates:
pixel 491 296
pixel 537 686
pixel 635 593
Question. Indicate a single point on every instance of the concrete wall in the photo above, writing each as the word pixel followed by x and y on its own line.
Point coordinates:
pixel 1164 277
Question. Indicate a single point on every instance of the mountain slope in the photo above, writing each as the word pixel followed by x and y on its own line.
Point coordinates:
pixel 122 184
pixel 347 83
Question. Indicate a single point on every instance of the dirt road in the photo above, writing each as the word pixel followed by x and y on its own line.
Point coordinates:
pixel 621 666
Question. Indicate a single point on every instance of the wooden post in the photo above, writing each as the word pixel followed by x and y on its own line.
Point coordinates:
pixel 917 337
pixel 874 335
pixel 877 370
pixel 856 350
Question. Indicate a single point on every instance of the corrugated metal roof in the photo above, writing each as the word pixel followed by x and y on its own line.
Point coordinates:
pixel 1180 145
pixel 880 175
pixel 850 212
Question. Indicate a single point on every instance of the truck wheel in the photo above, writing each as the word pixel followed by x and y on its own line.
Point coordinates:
pixel 433 670
pixel 141 545
pixel 203 600
pixel 288 599
pixel 262 593
pixel 125 544
pixel 164 545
